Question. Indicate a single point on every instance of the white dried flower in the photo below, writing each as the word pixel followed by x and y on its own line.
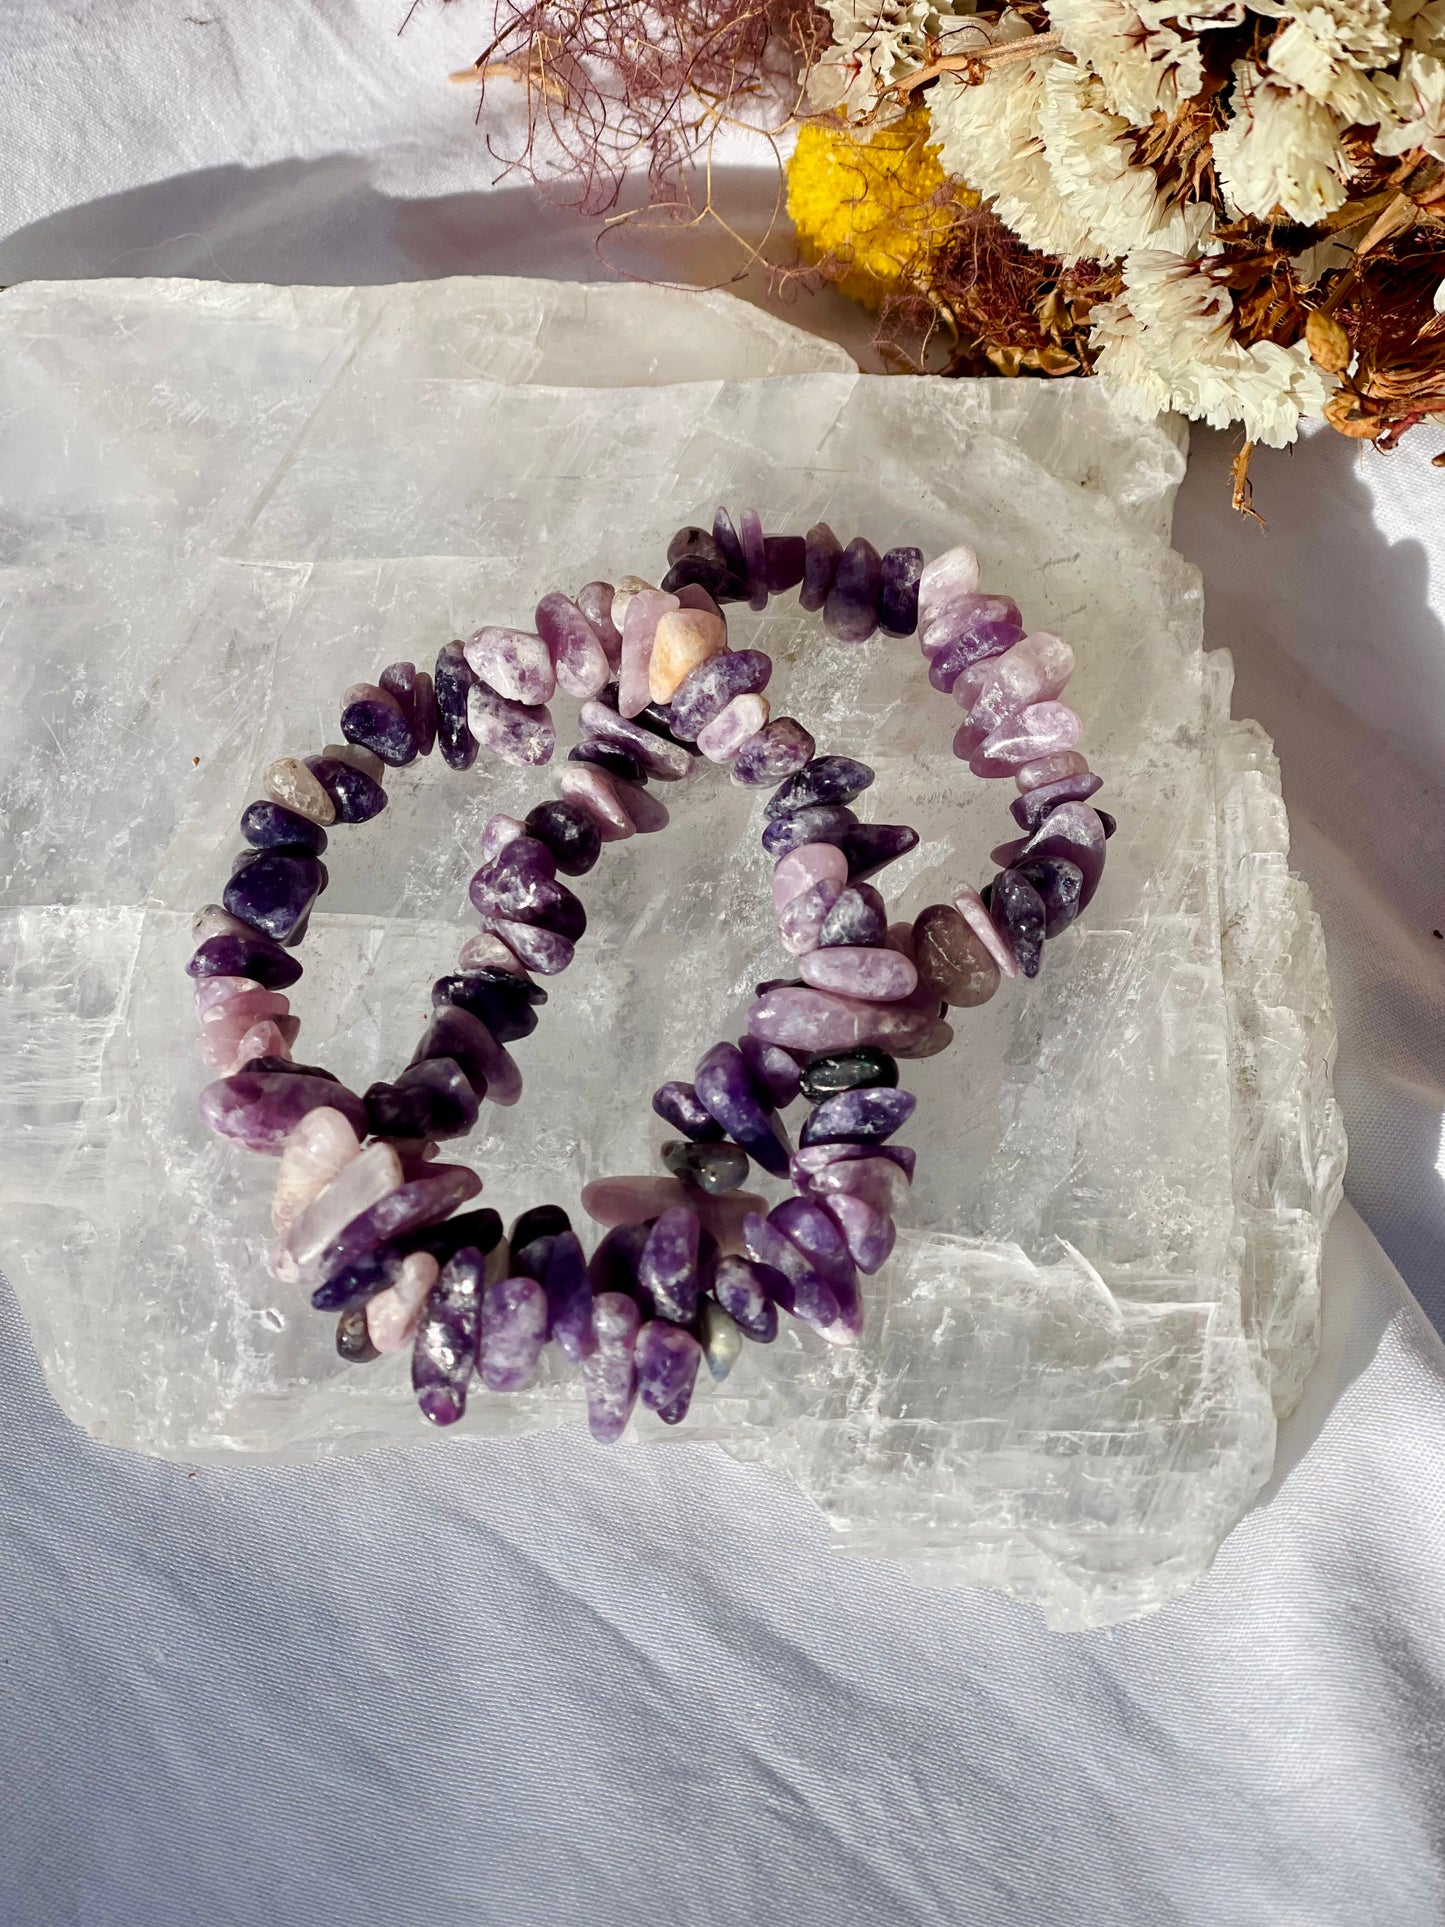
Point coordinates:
pixel 1421 23
pixel 877 43
pixel 1281 149
pixel 989 135
pixel 1327 47
pixel 1166 342
pixel 1418 101
pixel 1116 205
pixel 1135 47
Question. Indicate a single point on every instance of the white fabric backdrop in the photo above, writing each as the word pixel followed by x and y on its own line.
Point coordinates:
pixel 509 1683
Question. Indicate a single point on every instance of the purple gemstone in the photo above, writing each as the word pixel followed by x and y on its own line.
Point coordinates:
pixel 398 679
pixel 521 884
pixel 1040 730
pixel 610 1373
pixel 818 1235
pixel 375 1270
pixel 261 1109
pixel 444 1353
pixel 613 1265
pixel 750 535
pixel 851 610
pixel 253 956
pixel 821 550
pixel 801 918
pixel 568 832
pixel 705 692
pixel 872 846
pixel 858 1117
pixel 274 893
pixel 424 714
pixel 742 1289
pixel 823 823
pixel 858 918
pixel 667 1362
pixel 876 1179
pixel 807 1165
pixel 420 1201
pixel 457 1034
pixel 1018 909
pixel 453 681
pixel 569 1298
pixel 803 1019
pixel 666 761
pixel 785 556
pixel 1060 885
pixel 595 602
pixel 981 625
pixel 668 1267
pixel 541 950
pixel 681 1107
pixel 869 1234
pixel 779 750
pixel 271 826
pixel 724 1085
pixel 726 538
pixel 435 1098
pixel 793 1282
pixel 824 780
pixel 357 796
pixel 581 663
pixel 522 734
pixel 1030 809
pixel 375 719
pixel 772 1070
pixel 898 591
pixel 1075 832
pixel 513 1332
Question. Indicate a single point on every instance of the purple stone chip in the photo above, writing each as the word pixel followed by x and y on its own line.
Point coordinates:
pixel 274 893
pixel 357 796
pixel 724 1086
pixel 261 1109
pixel 898 591
pixel 668 1266
pixel 255 956
pixel 779 749
pixel 1018 910
pixel 865 1116
pixel 444 1352
pixel 786 558
pixel 821 550
pixel 609 1375
pixel 851 610
pixel 744 1290
pixel 667 1362
pixel 823 780
pixel 569 1298
pixel 513 1332
pixel 453 680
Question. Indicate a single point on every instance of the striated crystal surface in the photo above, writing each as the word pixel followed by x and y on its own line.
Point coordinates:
pixel 1105 1282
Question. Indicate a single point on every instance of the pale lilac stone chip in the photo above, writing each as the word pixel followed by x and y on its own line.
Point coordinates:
pixel 668 1267
pixel 775 752
pixel 877 976
pixel 513 662
pixel 971 908
pixel 578 657
pixel 609 1375
pixel 667 1362
pixel 513 1332
pixel 517 732
pixel 1043 729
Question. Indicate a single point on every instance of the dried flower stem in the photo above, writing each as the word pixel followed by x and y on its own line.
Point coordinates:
pixel 1038 43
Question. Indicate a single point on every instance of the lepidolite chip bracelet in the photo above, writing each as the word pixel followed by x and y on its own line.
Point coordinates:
pixel 689 1263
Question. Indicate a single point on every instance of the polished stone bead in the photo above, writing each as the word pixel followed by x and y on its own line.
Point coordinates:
pixel 568 832
pixel 720 1336
pixel 821 550
pixel 274 893
pixel 823 823
pixel 779 750
pixel 793 1282
pixel 660 758
pixel 453 680
pixel 398 679
pixel 722 739
pixel 537 1221
pixel 431 1099
pixel 878 976
pixel 234 997
pixel 462 1034
pixel 648 813
pixel 486 951
pixel 393 1315
pixel 679 1105
pixel 482 1228
pixel 373 717
pixel 724 1085
pixel 513 1332
pixel 424 714
pixel 668 1266
pixel 212 921
pixel 858 1117
pixel 1041 730
pixel 261 1109
pixel 521 884
pixel 801 869
pixel 859 917
pixel 785 557
pixel 355 796
pixel 898 591
pixel 816 1233
pixel 1059 884
pixel 773 1070
pixel 373 1272
pixel 667 1362
pixel 872 846
pixel 633 1200
pixel 594 599
pixel 1075 832
pixel 616 762
pixel 609 1376
pixel 1017 908
pixel 878 1181
pixel 444 1353
pixel 595 792
pixel 743 1289
pixel 822 780
pixel 569 1299
pixel 755 555
pixel 544 951
pixel 503 1001
pixel 516 732
pixel 866 1068
pixel 420 1201
pixel 253 956
pixel 1030 809
pixel 704 694
pixel 816 1020
pixel 643 612
pixel 271 826
pixel 236 1043
pixel 725 537
pixel 1033 671
pixel 683 641
pixel 320 1146
pixel 694 544
pixel 613 1265
pixel 869 1234
pixel 947 578
pixel 357 756
pixel 515 664
pixel 952 961
pixel 578 657
pixel 851 610
pixel 353 1338
pixel 810 1163
pixel 975 913
pixel 1056 768
pixel 801 919
pixel 974 627
pixel 715 1168
pixel 290 783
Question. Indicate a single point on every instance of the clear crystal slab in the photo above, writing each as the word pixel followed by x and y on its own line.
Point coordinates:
pixel 1109 1284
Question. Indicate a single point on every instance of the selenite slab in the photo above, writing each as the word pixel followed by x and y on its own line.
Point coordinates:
pixel 220 506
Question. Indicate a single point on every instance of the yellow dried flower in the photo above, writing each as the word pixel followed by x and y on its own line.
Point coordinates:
pixel 870 207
